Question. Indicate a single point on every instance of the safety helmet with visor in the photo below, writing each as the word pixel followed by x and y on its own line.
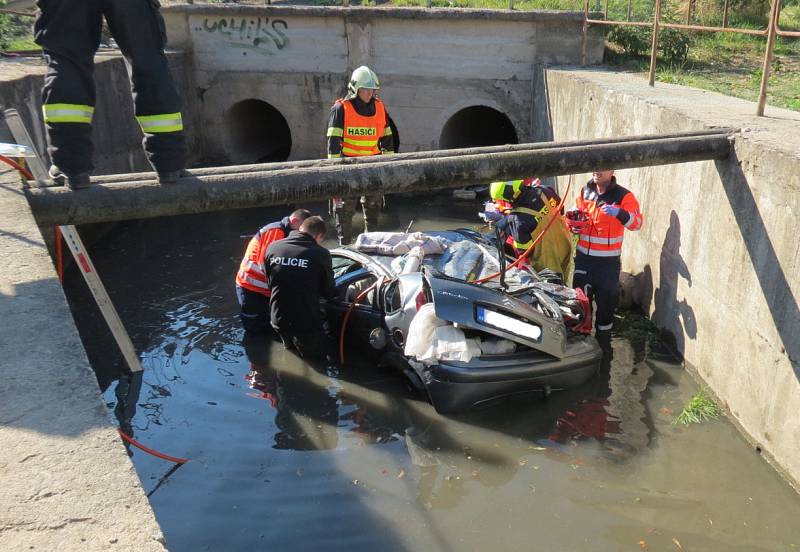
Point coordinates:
pixel 363 77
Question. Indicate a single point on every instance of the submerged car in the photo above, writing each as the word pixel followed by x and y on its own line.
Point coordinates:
pixel 459 337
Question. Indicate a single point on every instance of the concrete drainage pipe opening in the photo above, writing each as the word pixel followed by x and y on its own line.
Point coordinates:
pixel 258 133
pixel 477 126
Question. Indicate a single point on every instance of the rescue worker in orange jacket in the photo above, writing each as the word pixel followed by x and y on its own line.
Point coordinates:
pixel 358 126
pixel 530 209
pixel 604 210
pixel 252 288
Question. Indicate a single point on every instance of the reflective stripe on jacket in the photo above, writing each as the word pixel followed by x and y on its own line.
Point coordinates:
pixel 361 134
pixel 533 210
pixel 604 234
pixel 251 275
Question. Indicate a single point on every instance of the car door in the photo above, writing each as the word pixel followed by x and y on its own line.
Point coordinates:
pixel 353 278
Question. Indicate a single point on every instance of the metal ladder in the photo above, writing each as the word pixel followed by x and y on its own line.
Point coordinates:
pixel 20 134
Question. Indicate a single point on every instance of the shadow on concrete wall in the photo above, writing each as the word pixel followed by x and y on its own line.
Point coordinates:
pixel 768 268
pixel 676 316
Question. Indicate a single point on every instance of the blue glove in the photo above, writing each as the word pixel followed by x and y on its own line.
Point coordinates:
pixel 610 210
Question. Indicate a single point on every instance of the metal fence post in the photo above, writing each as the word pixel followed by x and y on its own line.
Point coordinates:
pixel 585 38
pixel 765 70
pixel 726 10
pixel 654 46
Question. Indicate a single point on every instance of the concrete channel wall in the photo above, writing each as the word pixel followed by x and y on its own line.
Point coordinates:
pixel 66 481
pixel 717 262
pixel 116 135
pixel 433 65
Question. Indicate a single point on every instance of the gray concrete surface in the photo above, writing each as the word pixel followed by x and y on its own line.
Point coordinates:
pixel 717 263
pixel 432 64
pixel 66 480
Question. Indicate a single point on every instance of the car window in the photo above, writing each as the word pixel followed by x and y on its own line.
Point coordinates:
pixel 343 265
pixel 393 297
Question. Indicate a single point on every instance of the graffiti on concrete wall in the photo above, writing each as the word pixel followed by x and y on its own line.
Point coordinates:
pixel 261 33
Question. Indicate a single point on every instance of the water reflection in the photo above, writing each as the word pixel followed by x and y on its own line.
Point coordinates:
pixel 272 437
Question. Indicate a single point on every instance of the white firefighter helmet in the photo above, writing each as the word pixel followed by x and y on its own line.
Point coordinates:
pixel 363 77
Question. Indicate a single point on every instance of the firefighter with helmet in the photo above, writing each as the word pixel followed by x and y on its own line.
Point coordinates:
pixel 358 126
pixel 525 210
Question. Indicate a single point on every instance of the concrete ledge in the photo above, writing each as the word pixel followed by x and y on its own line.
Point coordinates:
pixel 717 262
pixel 234 10
pixel 67 481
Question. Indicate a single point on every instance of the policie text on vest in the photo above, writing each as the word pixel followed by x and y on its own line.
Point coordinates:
pixel 287 261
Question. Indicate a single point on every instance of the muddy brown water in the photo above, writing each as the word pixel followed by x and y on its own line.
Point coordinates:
pixel 289 456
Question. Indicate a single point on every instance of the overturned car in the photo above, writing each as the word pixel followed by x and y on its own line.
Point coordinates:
pixel 425 304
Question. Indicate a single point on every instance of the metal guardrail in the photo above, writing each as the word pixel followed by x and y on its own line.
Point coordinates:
pixel 771 32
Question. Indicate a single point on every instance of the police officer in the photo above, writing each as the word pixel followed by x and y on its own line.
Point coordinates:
pixel 300 272
pixel 531 207
pixel 607 210
pixel 69 33
pixel 358 126
pixel 252 289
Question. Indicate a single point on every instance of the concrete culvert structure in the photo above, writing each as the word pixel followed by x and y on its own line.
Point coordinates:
pixel 477 126
pixel 258 133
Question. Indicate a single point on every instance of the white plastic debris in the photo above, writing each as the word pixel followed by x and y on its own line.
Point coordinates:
pixel 413 260
pixel 399 243
pixel 420 331
pixel 497 346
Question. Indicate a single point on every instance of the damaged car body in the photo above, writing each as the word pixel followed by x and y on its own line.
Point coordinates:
pixel 461 342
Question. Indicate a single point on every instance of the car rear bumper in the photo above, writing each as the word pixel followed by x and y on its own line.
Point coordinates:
pixel 458 386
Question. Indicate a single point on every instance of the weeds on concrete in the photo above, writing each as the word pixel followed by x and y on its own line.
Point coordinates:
pixel 636 328
pixel 699 409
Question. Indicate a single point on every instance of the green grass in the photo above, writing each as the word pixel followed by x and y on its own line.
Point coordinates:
pixel 699 409
pixel 636 328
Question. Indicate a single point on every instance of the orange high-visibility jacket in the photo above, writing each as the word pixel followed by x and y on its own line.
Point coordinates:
pixel 361 134
pixel 603 236
pixel 251 274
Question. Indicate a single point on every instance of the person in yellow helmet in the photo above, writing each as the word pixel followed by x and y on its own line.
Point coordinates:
pixel 359 126
pixel 532 206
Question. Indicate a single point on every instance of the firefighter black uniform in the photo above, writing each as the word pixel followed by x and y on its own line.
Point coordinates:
pixel 69 33
pixel 357 129
pixel 597 259
pixel 300 273
pixel 531 210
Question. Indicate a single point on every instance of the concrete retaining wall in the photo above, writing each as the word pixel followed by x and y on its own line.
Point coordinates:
pixel 432 64
pixel 717 263
pixel 66 481
pixel 116 135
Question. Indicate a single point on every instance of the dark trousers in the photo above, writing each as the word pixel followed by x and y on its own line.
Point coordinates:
pixel 309 345
pixel 255 311
pixel 69 33
pixel 343 216
pixel 598 277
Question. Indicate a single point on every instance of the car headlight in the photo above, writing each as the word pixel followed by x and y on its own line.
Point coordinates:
pixel 508 324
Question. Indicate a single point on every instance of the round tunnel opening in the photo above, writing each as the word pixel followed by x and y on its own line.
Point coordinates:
pixel 477 126
pixel 259 133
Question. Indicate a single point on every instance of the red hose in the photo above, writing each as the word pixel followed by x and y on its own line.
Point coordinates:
pixel 347 317
pixel 25 172
pixel 522 257
pixel 155 453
